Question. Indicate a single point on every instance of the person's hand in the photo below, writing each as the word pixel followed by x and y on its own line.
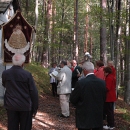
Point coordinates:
pixel 34 113
pixel 78 75
pixel 53 75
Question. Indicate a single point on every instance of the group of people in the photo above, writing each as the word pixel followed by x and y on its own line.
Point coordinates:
pixel 91 90
pixel 93 95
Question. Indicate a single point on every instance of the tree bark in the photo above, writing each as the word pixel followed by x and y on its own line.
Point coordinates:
pixel 103 41
pixel 75 52
pixel 34 32
pixel 86 31
pixel 117 45
pixel 111 27
pixel 127 57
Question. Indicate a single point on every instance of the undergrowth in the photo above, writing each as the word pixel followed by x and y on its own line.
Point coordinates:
pixel 40 76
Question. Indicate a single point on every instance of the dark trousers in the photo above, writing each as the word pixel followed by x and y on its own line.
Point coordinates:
pixel 100 128
pixel 19 120
pixel 108 113
pixel 54 89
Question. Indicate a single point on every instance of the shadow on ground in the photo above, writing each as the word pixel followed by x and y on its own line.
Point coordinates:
pixel 47 119
pixel 49 108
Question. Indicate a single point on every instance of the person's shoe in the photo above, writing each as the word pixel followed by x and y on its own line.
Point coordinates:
pixel 111 128
pixel 106 127
pixel 61 115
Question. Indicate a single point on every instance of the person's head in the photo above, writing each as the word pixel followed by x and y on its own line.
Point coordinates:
pixel 87 67
pixel 18 59
pixel 99 63
pixel 110 63
pixel 73 63
pixel 107 70
pixel 68 64
pixel 54 65
pixel 63 63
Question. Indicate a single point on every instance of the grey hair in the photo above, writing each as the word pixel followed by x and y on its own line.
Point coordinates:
pixel 89 66
pixel 111 62
pixel 18 59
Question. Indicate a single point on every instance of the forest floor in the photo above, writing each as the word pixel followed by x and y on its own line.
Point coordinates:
pixel 49 108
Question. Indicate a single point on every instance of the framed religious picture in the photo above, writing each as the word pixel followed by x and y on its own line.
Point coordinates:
pixel 17 35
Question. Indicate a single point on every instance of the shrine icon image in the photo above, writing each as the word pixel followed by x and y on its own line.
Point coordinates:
pixel 17 35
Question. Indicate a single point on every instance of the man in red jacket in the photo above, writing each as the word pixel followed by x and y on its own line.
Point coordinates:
pixel 110 98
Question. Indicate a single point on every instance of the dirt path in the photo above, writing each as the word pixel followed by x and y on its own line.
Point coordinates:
pixel 49 108
pixel 47 119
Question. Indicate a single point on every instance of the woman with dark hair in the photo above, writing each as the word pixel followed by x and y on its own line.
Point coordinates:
pixel 99 73
pixel 110 98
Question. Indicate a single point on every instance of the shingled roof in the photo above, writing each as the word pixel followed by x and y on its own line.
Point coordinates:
pixel 5 3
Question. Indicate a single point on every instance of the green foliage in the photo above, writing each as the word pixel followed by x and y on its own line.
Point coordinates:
pixel 3 114
pixel 40 76
pixel 126 116
pixel 121 90
pixel 125 113
pixel 55 32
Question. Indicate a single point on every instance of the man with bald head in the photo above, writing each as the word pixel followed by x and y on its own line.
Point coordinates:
pixel 89 98
pixel 76 72
pixel 21 95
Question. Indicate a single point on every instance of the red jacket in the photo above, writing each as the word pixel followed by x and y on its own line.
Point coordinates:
pixel 99 73
pixel 113 71
pixel 111 88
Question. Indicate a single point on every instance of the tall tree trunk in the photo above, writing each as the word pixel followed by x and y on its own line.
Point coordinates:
pixel 91 43
pixel 52 54
pixel 61 33
pixel 117 45
pixel 110 4
pixel 103 41
pixel 34 32
pixel 86 31
pixel 75 53
pixel 49 28
pixel 127 59
pixel 45 53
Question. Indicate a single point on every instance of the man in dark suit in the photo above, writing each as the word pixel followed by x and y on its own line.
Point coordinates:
pixel 21 95
pixel 89 97
pixel 76 72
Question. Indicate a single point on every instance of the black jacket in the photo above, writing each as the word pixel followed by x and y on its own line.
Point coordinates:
pixel 89 97
pixel 21 93
pixel 74 75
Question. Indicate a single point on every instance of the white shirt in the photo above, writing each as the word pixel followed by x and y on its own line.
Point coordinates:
pixel 89 74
